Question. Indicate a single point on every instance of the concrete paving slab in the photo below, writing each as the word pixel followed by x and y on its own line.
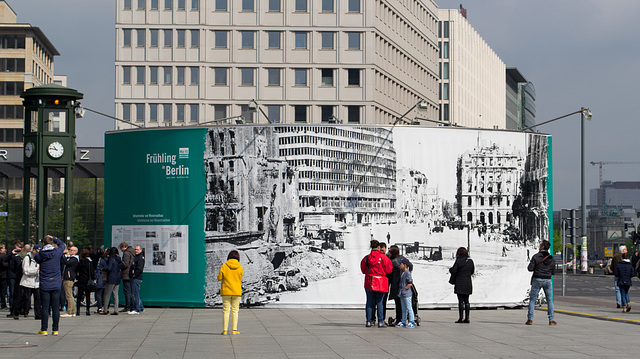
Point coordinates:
pixel 329 333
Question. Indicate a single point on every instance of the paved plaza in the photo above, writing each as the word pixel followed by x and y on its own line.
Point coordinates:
pixel 586 328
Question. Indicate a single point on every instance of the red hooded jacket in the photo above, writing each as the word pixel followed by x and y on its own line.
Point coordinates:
pixel 378 264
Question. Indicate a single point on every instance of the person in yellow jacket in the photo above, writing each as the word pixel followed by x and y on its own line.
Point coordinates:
pixel 231 291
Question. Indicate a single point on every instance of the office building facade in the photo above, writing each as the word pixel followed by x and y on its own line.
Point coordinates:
pixel 472 88
pixel 521 100
pixel 186 62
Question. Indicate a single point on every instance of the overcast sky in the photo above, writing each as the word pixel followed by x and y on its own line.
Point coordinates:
pixel 577 53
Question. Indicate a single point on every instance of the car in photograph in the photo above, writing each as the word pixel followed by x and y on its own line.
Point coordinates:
pixel 286 279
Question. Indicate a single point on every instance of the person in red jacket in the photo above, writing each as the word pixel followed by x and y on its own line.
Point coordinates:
pixel 375 266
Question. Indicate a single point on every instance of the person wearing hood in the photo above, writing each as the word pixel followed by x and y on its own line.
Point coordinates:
pixel 50 260
pixel 30 285
pixel 70 262
pixel 231 291
pixel 375 266
pixel 543 267
pixel 624 272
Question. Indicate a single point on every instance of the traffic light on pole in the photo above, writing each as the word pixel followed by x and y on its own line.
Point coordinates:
pixel 626 227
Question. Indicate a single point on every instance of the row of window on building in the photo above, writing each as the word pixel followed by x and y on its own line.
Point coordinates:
pixel 12 112
pixel 480 201
pixel 11 64
pixel 17 65
pixel 191 113
pixel 247 76
pixel 483 219
pixel 12 41
pixel 9 135
pixel 248 38
pixel 11 88
pixel 245 5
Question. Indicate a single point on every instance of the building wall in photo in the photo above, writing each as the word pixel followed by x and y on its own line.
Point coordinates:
pixel 301 203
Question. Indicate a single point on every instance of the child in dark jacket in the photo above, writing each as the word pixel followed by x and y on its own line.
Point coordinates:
pixel 624 272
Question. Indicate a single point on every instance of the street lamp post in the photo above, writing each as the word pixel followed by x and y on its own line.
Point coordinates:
pixel 585 113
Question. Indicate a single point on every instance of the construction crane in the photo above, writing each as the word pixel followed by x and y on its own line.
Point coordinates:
pixel 600 164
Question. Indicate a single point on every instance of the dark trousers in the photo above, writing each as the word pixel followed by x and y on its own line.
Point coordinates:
pixel 463 305
pixel 11 282
pixel 16 308
pixel 50 299
pixel 3 293
pixel 398 302
pixel 62 301
pixel 25 302
pixel 83 292
pixel 99 294
pixel 128 297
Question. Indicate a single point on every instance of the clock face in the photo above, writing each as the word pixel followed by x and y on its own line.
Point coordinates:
pixel 56 150
pixel 28 149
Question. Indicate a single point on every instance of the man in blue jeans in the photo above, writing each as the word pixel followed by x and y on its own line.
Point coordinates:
pixel 137 267
pixel 543 267
pixel 49 259
pixel 127 259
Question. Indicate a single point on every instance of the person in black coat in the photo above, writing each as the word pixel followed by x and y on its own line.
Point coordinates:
pixel 83 274
pixel 13 263
pixel 462 270
pixel 624 272
pixel 394 281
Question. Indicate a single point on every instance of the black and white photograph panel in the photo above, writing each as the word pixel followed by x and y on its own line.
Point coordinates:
pixel 302 203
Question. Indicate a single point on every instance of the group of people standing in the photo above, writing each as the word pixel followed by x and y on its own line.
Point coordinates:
pixel 50 271
pixel 19 279
pixel 110 270
pixel 389 276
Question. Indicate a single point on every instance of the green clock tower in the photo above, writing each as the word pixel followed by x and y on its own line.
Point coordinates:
pixel 49 150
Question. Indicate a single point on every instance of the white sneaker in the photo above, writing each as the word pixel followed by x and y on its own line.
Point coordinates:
pixel 133 312
pixel 66 315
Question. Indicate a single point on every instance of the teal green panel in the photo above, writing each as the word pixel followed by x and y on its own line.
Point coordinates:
pixel 154 196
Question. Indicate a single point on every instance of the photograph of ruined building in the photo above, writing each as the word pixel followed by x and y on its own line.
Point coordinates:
pixel 302 202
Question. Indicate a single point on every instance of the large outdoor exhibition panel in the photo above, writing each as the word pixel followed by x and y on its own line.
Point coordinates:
pixel 301 203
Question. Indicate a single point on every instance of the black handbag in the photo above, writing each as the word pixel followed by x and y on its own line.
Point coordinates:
pixel 91 285
pixel 452 279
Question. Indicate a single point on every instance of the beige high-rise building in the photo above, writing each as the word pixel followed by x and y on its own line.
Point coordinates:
pixel 26 61
pixel 473 85
pixel 185 62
